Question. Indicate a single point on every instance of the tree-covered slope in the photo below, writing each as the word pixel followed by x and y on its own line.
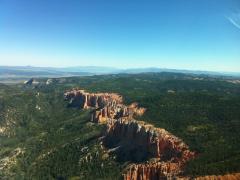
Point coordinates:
pixel 41 138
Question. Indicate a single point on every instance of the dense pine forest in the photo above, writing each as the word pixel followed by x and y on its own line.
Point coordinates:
pixel 41 138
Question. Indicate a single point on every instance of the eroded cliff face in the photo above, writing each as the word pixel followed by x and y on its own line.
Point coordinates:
pixel 154 152
pixel 152 171
pixel 157 142
pixel 105 105
pixel 234 176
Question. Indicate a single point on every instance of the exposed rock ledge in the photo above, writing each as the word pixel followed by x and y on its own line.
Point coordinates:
pixel 106 105
pixel 156 153
pixel 234 176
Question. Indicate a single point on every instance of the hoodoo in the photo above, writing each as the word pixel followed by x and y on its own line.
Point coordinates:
pixel 105 105
pixel 155 153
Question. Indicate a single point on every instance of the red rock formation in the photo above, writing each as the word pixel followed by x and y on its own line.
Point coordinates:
pixel 92 100
pixel 170 153
pixel 235 176
pixel 105 105
pixel 152 171
pixel 157 142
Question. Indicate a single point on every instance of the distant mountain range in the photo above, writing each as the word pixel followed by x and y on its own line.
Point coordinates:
pixel 30 71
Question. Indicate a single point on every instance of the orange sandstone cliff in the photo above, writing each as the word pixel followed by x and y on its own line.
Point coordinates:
pixel 105 105
pixel 155 153
pixel 235 176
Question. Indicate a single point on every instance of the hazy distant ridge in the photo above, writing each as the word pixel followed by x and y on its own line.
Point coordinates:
pixel 29 71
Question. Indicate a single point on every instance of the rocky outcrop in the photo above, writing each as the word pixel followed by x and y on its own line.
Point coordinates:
pixel 234 176
pixel 105 105
pixel 29 82
pixel 152 171
pixel 169 152
pixel 155 153
pixel 157 142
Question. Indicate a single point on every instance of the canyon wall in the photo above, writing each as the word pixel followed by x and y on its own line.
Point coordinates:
pixel 152 171
pixel 105 105
pixel 157 142
pixel 235 176
pixel 154 152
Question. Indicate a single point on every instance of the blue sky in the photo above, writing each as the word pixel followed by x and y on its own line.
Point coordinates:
pixel 182 34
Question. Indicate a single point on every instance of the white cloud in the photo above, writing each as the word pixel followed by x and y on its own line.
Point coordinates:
pixel 234 19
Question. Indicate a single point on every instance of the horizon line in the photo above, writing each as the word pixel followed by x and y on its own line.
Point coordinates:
pixel 129 68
